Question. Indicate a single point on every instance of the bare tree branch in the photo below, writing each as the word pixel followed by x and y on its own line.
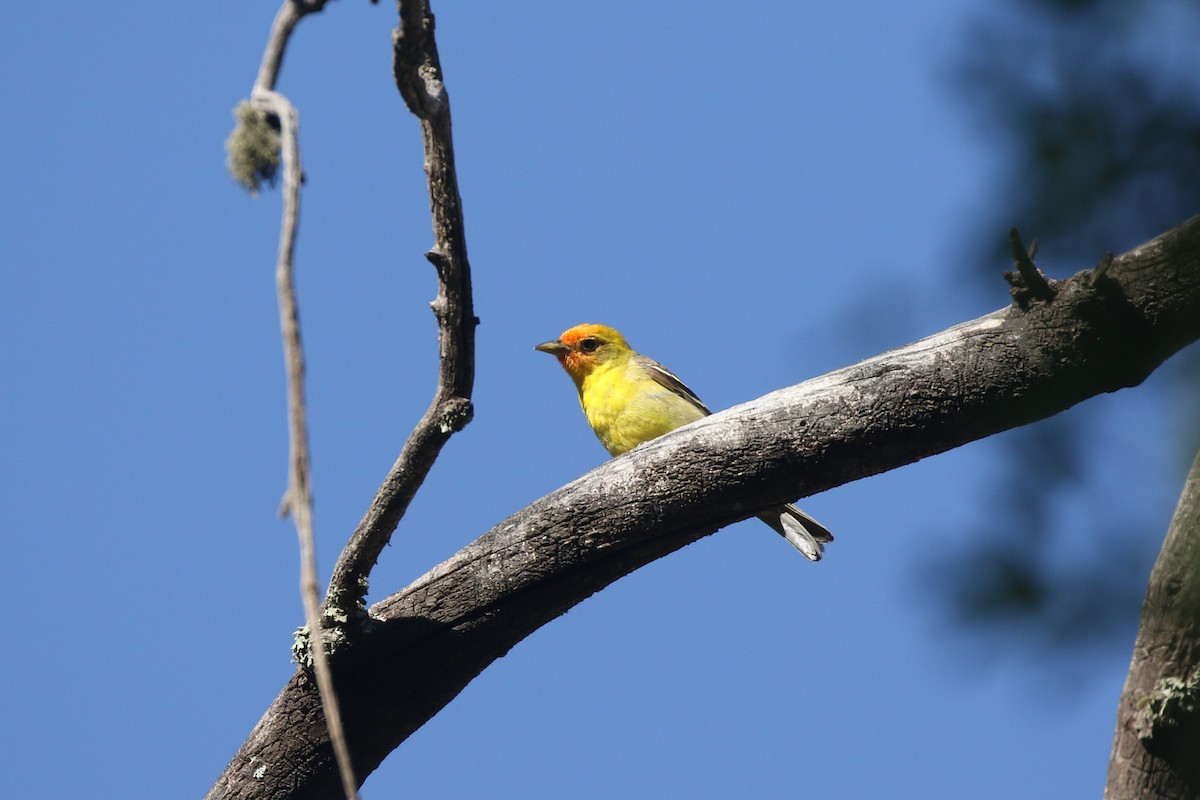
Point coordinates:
pixel 297 499
pixel 1102 331
pixel 418 75
pixel 253 158
pixel 1158 718
pixel 286 18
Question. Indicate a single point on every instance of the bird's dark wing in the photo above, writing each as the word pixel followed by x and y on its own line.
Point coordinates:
pixel 666 378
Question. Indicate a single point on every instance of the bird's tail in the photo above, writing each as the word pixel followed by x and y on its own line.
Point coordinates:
pixel 805 533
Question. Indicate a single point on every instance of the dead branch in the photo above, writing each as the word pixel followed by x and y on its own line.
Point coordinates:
pixel 1004 370
pixel 418 74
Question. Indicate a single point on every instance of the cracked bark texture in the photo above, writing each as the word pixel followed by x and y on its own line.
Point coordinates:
pixel 1104 330
pixel 1156 749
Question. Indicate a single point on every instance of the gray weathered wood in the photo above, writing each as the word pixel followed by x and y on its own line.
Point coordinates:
pixel 1102 330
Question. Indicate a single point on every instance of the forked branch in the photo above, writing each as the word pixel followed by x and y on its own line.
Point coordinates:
pixel 1003 370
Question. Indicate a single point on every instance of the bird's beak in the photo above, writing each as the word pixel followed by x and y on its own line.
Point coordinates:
pixel 554 348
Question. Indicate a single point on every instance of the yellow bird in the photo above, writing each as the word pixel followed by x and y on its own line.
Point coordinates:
pixel 629 399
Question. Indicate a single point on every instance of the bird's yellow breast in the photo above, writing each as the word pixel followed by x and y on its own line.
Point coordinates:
pixel 626 407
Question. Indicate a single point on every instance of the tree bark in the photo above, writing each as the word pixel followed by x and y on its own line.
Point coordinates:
pixel 1100 331
pixel 1156 749
pixel 418 72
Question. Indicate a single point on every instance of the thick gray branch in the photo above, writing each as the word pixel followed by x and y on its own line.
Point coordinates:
pixel 1157 743
pixel 1101 332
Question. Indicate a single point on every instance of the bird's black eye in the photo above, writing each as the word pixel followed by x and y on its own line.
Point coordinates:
pixel 588 345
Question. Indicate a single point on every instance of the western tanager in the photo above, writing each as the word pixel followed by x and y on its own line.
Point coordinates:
pixel 629 399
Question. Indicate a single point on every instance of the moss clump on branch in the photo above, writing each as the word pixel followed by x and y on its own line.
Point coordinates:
pixel 1173 708
pixel 340 623
pixel 253 147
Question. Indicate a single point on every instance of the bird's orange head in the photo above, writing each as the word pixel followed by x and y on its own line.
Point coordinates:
pixel 582 348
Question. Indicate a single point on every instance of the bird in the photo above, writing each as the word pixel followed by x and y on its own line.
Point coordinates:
pixel 629 398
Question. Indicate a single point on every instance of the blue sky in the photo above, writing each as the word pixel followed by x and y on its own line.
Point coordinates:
pixel 753 195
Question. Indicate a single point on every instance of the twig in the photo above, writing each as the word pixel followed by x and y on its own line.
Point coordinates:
pixel 297 499
pixel 418 75
pixel 289 14
pixel 1028 282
